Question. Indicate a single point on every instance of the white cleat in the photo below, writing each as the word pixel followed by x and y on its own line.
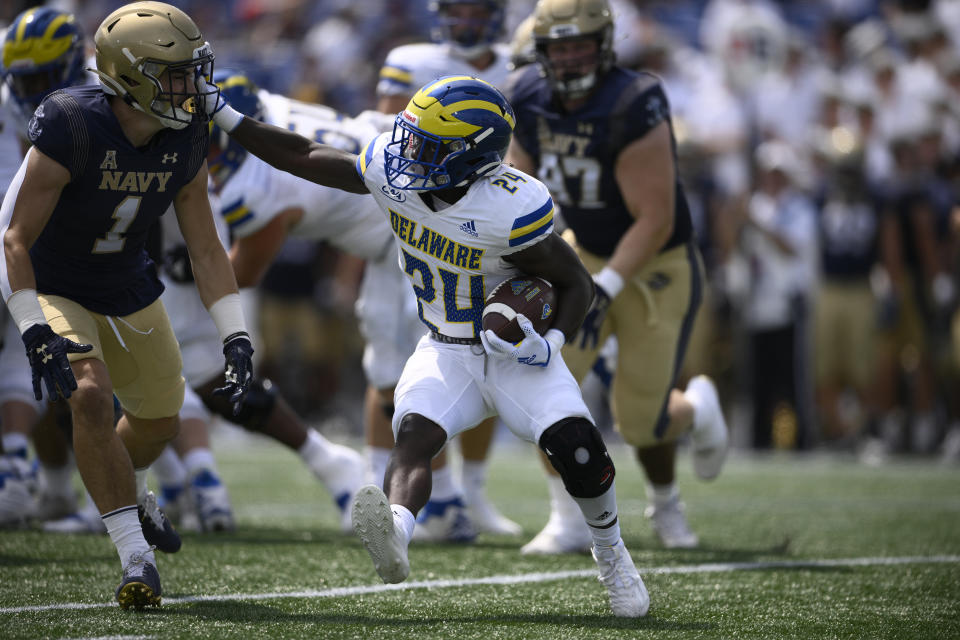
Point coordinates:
pixel 16 503
pixel 628 594
pixel 670 524
pixel 445 521
pixel 560 535
pixel 373 523
pixel 211 502
pixel 487 519
pixel 711 438
pixel 51 506
pixel 86 521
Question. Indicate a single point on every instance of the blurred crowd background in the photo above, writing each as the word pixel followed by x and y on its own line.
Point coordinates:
pixel 819 144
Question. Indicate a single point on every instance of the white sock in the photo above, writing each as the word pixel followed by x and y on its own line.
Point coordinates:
pixel 444 487
pixel 123 525
pixel 57 480
pixel 199 459
pixel 404 519
pixel 315 450
pixel 562 504
pixel 377 460
pixel 474 480
pixel 169 469
pixel 600 514
pixel 695 402
pixel 659 494
pixel 140 476
pixel 15 443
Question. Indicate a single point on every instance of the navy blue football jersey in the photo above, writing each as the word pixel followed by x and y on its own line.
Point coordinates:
pixel 92 250
pixel 577 153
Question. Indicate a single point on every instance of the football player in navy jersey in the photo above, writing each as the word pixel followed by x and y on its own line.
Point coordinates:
pixel 599 136
pixel 106 162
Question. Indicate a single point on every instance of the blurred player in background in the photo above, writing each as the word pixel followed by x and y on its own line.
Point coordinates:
pixel 599 136
pixel 106 162
pixel 43 50
pixel 464 223
pixel 465 43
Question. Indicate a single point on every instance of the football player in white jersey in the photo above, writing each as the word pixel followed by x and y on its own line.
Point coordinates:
pixel 43 50
pixel 464 223
pixel 465 43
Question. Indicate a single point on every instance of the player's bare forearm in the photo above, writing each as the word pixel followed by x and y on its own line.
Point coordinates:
pixel 19 268
pixel 300 156
pixel 555 261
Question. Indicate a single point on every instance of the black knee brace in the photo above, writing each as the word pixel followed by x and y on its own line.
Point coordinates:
pixel 576 450
pixel 254 410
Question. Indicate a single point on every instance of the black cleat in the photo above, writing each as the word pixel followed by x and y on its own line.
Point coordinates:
pixel 141 584
pixel 157 530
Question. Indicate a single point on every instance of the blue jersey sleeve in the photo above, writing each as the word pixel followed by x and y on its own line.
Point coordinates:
pixel 59 130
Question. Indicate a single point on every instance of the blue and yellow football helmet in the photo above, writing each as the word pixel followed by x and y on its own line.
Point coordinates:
pixel 42 52
pixel 453 131
pixel 242 94
pixel 468 35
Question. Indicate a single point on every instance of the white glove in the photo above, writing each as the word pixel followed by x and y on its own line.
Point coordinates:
pixel 222 114
pixel 534 349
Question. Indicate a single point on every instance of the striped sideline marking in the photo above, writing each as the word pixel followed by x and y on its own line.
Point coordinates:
pixel 339 592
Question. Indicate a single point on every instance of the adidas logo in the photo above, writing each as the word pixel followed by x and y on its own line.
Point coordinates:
pixel 470 228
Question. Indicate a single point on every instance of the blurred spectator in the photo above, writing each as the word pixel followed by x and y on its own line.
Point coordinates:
pixel 779 241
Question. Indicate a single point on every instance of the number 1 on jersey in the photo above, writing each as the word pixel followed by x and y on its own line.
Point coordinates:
pixel 124 214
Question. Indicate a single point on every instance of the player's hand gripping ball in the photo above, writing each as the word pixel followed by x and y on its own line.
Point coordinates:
pixel 531 297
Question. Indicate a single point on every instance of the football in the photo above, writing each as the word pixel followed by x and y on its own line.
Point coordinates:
pixel 532 297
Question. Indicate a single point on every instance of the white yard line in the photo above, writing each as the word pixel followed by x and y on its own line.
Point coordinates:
pixel 339 592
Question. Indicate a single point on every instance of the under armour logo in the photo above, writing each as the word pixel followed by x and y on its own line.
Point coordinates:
pixel 230 374
pixel 169 157
pixel 42 351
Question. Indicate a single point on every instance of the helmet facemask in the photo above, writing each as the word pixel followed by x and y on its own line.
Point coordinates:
pixel 567 76
pixel 417 160
pixel 179 91
pixel 469 35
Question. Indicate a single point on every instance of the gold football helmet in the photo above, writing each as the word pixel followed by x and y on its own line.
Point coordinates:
pixel 153 56
pixel 566 20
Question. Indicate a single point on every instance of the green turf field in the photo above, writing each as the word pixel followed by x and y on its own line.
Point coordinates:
pixel 790 548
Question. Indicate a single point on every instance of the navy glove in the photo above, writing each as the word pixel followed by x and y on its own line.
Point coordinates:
pixel 589 333
pixel 238 372
pixel 47 354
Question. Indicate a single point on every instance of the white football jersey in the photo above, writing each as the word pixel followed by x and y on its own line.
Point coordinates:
pixel 10 155
pixel 455 256
pixel 256 193
pixel 411 66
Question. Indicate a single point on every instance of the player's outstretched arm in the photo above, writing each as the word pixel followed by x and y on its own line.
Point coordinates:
pixel 553 260
pixel 27 208
pixel 292 152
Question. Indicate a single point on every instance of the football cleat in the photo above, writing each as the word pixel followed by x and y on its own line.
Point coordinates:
pixel 176 504
pixel 711 438
pixel 54 507
pixel 157 530
pixel 211 501
pixel 16 503
pixel 140 586
pixel 628 595
pixel 670 524
pixel 342 472
pixel 85 521
pixel 445 521
pixel 374 524
pixel 560 535
pixel 487 519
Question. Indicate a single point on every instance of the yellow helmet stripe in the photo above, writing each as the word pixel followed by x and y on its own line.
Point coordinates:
pixel 396 74
pixel 430 87
pixel 24 22
pixel 60 45
pixel 234 81
pixel 450 126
